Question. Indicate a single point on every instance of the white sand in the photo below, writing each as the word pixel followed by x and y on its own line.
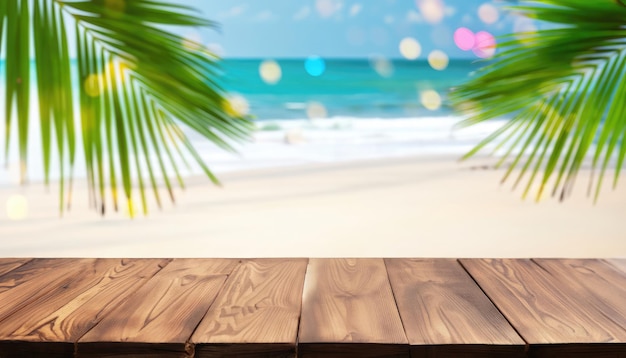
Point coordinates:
pixel 417 207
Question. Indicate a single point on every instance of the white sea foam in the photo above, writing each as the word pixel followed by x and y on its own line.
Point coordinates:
pixel 342 139
pixel 298 142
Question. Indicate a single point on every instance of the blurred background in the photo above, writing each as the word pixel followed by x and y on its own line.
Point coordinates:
pixel 355 152
pixel 336 80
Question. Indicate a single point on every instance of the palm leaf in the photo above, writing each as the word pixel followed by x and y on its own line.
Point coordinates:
pixel 126 68
pixel 563 87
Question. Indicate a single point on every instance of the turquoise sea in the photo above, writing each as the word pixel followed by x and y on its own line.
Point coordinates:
pixel 347 88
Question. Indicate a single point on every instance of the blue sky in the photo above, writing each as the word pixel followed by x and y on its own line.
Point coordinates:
pixel 340 28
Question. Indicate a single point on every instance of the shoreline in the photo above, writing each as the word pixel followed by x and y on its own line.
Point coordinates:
pixel 426 206
pixel 300 142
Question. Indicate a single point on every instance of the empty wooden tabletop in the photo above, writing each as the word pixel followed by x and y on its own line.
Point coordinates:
pixel 312 308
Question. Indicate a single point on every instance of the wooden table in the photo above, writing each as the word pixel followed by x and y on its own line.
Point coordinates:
pixel 312 308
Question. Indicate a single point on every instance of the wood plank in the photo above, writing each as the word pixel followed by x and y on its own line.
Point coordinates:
pixel 257 312
pixel 601 285
pixel 35 279
pixel 548 314
pixel 7 265
pixel 348 310
pixel 446 314
pixel 160 317
pixel 67 312
pixel 619 264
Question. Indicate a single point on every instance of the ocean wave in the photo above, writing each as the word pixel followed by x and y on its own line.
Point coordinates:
pixel 280 142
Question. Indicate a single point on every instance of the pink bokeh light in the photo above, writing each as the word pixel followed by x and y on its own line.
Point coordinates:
pixel 482 43
pixel 485 44
pixel 464 38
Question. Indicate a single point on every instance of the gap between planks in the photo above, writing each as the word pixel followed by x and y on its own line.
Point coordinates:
pixel 494 303
pixel 190 347
pixel 258 308
pixel 446 313
pixel 551 313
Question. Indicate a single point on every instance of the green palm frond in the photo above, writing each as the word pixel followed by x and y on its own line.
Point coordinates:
pixel 133 87
pixel 564 88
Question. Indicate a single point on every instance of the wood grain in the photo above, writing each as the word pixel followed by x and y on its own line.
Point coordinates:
pixel 620 264
pixel 160 317
pixel 544 310
pixel 348 309
pixel 596 282
pixel 35 279
pixel 445 313
pixel 257 312
pixel 250 308
pixel 7 265
pixel 66 313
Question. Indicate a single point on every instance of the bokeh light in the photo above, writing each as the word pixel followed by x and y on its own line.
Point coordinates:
pixel 192 41
pixel 215 49
pixel 236 105
pixel 17 207
pixel 438 60
pixel 270 72
pixel 488 13
pixel 468 107
pixel 121 67
pixel 327 8
pixel 485 46
pixel 410 48
pixel 430 99
pixel 316 110
pixel 433 11
pixel 130 209
pixel 14 172
pixel 315 66
pixel 524 29
pixel 524 24
pixel 355 9
pixel 92 86
pixel 382 66
pixel 464 38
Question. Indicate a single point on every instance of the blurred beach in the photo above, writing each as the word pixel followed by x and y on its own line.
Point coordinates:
pixel 351 163
pixel 426 206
